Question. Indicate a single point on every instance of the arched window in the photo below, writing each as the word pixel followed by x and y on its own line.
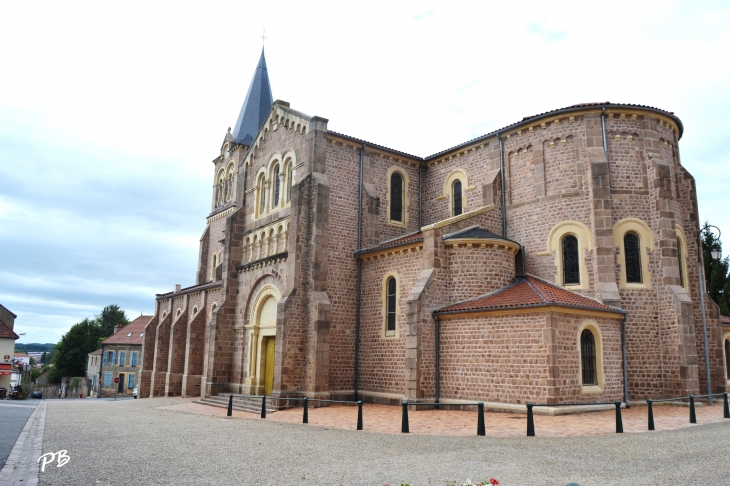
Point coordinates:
pixel 456 197
pixel 588 358
pixel 681 263
pixel 632 252
pixel 262 195
pixel 727 358
pixel 391 304
pixel 275 202
pixel 230 186
pixel 571 263
pixel 396 197
pixel 291 181
pixel 177 314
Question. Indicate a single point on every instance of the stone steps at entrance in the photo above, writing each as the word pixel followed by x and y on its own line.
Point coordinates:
pixel 240 402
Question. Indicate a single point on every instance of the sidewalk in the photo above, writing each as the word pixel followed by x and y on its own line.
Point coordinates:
pixel 21 466
pixel 386 419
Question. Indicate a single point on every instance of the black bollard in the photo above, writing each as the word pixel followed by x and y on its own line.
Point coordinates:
pixel 651 414
pixel 480 419
pixel 359 415
pixel 530 422
pixel 230 406
pixel 619 422
pixel 404 420
pixel 263 406
pixel 725 408
pixel 692 414
pixel 305 415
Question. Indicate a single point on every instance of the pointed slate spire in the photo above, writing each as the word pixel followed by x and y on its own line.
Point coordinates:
pixel 256 105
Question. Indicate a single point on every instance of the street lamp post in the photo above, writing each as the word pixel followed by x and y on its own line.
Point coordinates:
pixel 716 254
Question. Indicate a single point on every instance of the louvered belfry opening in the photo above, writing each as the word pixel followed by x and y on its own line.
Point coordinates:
pixel 391 303
pixel 571 266
pixel 588 357
pixel 632 252
pixel 396 197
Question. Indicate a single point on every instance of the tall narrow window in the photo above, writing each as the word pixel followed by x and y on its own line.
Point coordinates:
pixel 134 358
pixel 588 357
pixel 230 186
pixel 275 202
pixel 456 195
pixel 289 180
pixel 571 263
pixel 130 380
pixel 632 253
pixel 391 309
pixel 396 197
pixel 262 201
pixel 681 262
pixel 122 358
pixel 727 358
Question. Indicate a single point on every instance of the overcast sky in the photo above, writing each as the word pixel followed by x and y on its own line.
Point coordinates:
pixel 110 114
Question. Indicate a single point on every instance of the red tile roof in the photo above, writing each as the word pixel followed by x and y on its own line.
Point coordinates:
pixel 725 321
pixel 98 351
pixel 136 328
pixel 5 332
pixel 401 240
pixel 526 292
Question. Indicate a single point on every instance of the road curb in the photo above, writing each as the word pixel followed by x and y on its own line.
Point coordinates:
pixel 21 466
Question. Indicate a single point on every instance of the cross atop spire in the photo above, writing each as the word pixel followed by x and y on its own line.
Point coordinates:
pixel 256 106
pixel 264 38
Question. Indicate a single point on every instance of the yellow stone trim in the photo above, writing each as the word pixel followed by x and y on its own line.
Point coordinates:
pixel 585 244
pixel 480 242
pixel 592 326
pixel 406 200
pixel 461 217
pixel 457 174
pixel 220 215
pixel 685 254
pixel 387 252
pixel 384 333
pixel 646 241
pixel 533 310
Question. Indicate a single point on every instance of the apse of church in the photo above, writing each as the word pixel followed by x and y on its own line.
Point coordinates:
pixel 551 261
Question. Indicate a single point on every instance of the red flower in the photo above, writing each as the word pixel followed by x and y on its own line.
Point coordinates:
pixel 493 481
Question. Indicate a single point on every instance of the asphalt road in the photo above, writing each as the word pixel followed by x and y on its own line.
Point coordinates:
pixel 134 442
pixel 13 416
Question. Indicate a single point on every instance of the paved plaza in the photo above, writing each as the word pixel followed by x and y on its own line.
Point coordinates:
pixel 109 443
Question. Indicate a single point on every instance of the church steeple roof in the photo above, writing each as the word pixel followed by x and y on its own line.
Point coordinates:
pixel 256 106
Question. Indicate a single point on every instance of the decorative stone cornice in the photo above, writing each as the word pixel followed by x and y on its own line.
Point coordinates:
pixel 222 214
pixel 461 217
pixel 393 251
pixel 263 262
pixel 483 243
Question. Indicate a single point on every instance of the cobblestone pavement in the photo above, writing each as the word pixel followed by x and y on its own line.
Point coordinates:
pixel 21 466
pixel 150 442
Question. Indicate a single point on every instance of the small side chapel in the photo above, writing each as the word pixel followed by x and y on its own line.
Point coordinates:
pixel 554 260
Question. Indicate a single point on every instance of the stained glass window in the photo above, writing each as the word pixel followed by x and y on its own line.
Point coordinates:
pixel 396 197
pixel 632 252
pixel 571 264
pixel 391 303
pixel 457 198
pixel 276 187
pixel 588 357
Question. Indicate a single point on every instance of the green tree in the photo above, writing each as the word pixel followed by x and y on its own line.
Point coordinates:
pixel 110 317
pixel 32 361
pixel 717 282
pixel 44 358
pixel 34 374
pixel 72 350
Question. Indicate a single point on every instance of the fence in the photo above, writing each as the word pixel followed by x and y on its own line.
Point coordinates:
pixel 481 424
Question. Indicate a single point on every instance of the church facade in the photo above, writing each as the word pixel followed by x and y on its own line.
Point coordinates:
pixel 554 261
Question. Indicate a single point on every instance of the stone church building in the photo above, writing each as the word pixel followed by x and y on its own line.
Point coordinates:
pixel 554 260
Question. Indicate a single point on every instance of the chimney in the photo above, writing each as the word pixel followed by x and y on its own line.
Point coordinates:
pixel 177 287
pixel 117 329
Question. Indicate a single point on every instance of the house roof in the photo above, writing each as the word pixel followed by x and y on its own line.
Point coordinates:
pixel 6 333
pixel 528 292
pixel 98 351
pixel 401 240
pixel 131 333
pixel 21 355
pixel 473 232
pixel 725 320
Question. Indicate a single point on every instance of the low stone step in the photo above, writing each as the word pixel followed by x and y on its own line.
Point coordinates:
pixel 243 405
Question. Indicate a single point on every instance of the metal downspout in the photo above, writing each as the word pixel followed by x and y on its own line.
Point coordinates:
pixel 623 359
pixel 501 173
pixel 420 196
pixel 359 279
pixel 704 326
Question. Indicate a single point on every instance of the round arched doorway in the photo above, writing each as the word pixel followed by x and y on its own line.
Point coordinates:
pixel 262 341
